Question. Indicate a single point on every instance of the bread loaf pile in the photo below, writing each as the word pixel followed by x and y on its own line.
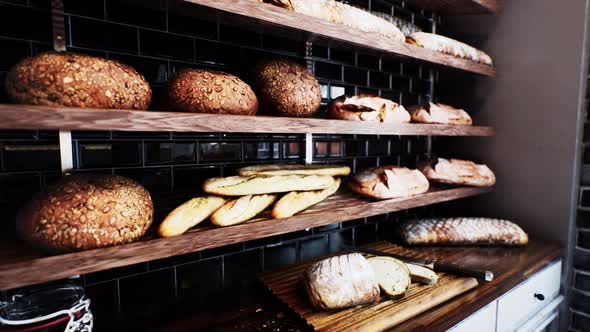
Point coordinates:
pixel 237 199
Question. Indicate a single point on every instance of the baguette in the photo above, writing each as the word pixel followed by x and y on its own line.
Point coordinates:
pixel 189 214
pixel 297 201
pixel 448 46
pixel 241 209
pixel 257 185
pixel 435 231
pixel 291 169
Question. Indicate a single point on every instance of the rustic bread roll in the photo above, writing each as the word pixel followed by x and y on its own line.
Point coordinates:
pixel 211 91
pixel 367 108
pixel 297 201
pixel 257 185
pixel 457 171
pixel 189 214
pixel 76 80
pixel 448 46
pixel 85 212
pixel 241 209
pixel 460 231
pixel 439 113
pixel 286 88
pixel 291 169
pixel 341 281
pixel 389 182
pixel 392 276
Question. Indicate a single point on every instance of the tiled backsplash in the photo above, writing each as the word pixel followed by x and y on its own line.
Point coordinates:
pixel 157 39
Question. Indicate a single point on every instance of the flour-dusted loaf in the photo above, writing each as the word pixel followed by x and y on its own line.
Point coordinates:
pixel 439 113
pixel 367 108
pixel 457 171
pixel 189 214
pixel 448 46
pixel 341 281
pixel 434 231
pixel 241 209
pixel 292 169
pixel 389 182
pixel 286 88
pixel 297 201
pixel 257 185
pixel 77 80
pixel 211 91
pixel 85 212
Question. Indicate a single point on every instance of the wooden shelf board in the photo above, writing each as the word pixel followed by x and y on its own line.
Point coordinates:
pixel 325 31
pixel 22 266
pixel 458 7
pixel 64 118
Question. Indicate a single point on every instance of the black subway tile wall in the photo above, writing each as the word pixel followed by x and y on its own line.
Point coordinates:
pixel 159 38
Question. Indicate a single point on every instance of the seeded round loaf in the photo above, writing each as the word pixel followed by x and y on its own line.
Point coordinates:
pixel 76 80
pixel 210 91
pixel 286 88
pixel 85 212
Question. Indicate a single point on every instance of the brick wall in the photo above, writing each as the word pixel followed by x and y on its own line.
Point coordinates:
pixel 157 38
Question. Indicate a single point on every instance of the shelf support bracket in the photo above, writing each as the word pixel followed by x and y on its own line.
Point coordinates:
pixel 65 151
pixel 308 148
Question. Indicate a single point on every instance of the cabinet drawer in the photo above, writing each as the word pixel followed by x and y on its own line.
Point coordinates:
pixel 483 320
pixel 521 303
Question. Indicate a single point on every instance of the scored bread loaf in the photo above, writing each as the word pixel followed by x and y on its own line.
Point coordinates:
pixel 77 80
pixel 448 46
pixel 297 201
pixel 189 214
pixel 367 108
pixel 290 169
pixel 457 171
pixel 257 185
pixel 461 231
pixel 439 113
pixel 389 182
pixel 341 281
pixel 241 209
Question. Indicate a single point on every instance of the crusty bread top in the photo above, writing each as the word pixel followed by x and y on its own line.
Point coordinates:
pixel 439 113
pixel 367 108
pixel 457 171
pixel 292 169
pixel 257 185
pixel 389 182
pixel 448 46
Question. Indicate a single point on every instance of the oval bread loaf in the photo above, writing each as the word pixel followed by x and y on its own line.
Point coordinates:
pixel 258 185
pixel 389 182
pixel 286 88
pixel 189 214
pixel 85 212
pixel 76 80
pixel 211 91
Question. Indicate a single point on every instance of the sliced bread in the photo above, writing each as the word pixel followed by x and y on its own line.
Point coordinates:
pixel 392 275
pixel 422 274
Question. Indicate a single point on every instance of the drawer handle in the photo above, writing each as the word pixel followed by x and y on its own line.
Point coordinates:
pixel 539 296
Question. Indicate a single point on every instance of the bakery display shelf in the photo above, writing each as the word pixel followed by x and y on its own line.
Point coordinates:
pixel 65 118
pixel 21 266
pixel 458 7
pixel 278 20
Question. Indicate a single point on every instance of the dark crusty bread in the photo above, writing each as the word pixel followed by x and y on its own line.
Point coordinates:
pixel 76 80
pixel 86 211
pixel 211 91
pixel 286 88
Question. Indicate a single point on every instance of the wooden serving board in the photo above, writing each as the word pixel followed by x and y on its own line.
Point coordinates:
pixel 378 316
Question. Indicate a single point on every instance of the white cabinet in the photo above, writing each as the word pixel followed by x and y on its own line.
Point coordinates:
pixel 483 320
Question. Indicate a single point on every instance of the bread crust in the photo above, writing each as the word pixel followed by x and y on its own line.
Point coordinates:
pixel 211 91
pixel 389 182
pixel 77 80
pixel 189 214
pixel 297 201
pixel 258 185
pixel 286 88
pixel 367 108
pixel 291 169
pixel 83 212
pixel 448 46
pixel 242 209
pixel 439 113
pixel 459 172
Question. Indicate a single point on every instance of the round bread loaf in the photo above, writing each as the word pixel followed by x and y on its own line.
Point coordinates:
pixel 210 91
pixel 286 88
pixel 85 212
pixel 76 80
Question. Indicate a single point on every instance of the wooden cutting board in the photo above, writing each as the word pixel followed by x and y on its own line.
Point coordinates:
pixel 378 316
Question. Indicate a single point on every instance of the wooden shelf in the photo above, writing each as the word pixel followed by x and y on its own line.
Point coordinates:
pixel 20 266
pixel 324 31
pixel 64 118
pixel 458 7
